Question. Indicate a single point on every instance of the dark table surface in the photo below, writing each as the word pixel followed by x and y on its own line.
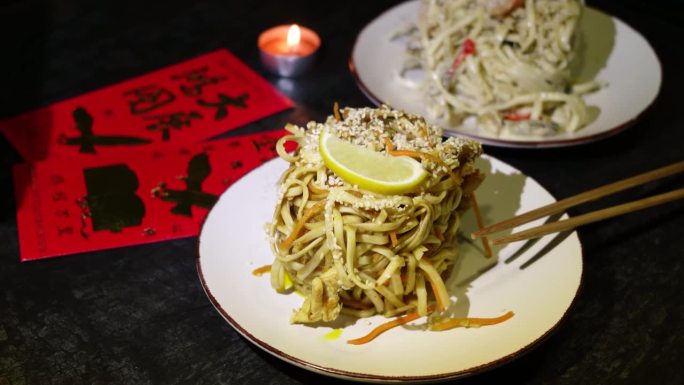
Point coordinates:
pixel 138 315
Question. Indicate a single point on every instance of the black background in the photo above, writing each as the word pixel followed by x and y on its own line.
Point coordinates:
pixel 138 315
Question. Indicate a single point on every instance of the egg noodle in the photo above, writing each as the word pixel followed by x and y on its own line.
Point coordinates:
pixel 356 252
pixel 504 62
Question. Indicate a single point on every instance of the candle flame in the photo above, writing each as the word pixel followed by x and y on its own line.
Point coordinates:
pixel 294 35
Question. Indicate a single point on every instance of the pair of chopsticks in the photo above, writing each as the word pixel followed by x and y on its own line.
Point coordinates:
pixel 571 223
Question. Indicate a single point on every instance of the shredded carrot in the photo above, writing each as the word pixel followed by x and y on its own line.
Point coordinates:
pixel 387 326
pixel 393 238
pixel 356 304
pixel 480 224
pixel 441 305
pixel 417 154
pixel 388 144
pixel 308 214
pixel 469 322
pixel 423 155
pixel 261 270
pixel 438 233
pixel 336 111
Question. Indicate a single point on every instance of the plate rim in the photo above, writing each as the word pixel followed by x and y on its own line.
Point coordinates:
pixel 522 144
pixel 365 377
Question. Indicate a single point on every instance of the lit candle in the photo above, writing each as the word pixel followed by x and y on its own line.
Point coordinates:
pixel 288 50
pixel 294 37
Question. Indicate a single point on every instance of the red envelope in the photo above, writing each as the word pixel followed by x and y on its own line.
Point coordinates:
pixel 111 201
pixel 183 103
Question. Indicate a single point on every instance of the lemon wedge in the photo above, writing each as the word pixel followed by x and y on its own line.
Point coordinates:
pixel 368 169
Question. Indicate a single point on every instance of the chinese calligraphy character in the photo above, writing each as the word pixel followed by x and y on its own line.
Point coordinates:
pixel 198 78
pixel 199 169
pixel 174 120
pixel 148 98
pixel 222 104
pixel 112 200
pixel 88 140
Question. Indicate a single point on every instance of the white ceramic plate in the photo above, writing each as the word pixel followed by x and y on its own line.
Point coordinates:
pixel 612 52
pixel 538 285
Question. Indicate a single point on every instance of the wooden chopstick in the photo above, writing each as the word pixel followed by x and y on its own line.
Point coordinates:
pixel 584 197
pixel 574 222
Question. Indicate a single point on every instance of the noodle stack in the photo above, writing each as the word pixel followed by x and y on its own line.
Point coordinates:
pixel 356 252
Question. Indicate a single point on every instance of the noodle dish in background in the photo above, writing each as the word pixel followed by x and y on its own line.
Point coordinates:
pixel 517 73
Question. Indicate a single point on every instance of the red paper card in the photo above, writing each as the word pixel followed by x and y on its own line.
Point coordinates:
pixel 112 201
pixel 183 103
